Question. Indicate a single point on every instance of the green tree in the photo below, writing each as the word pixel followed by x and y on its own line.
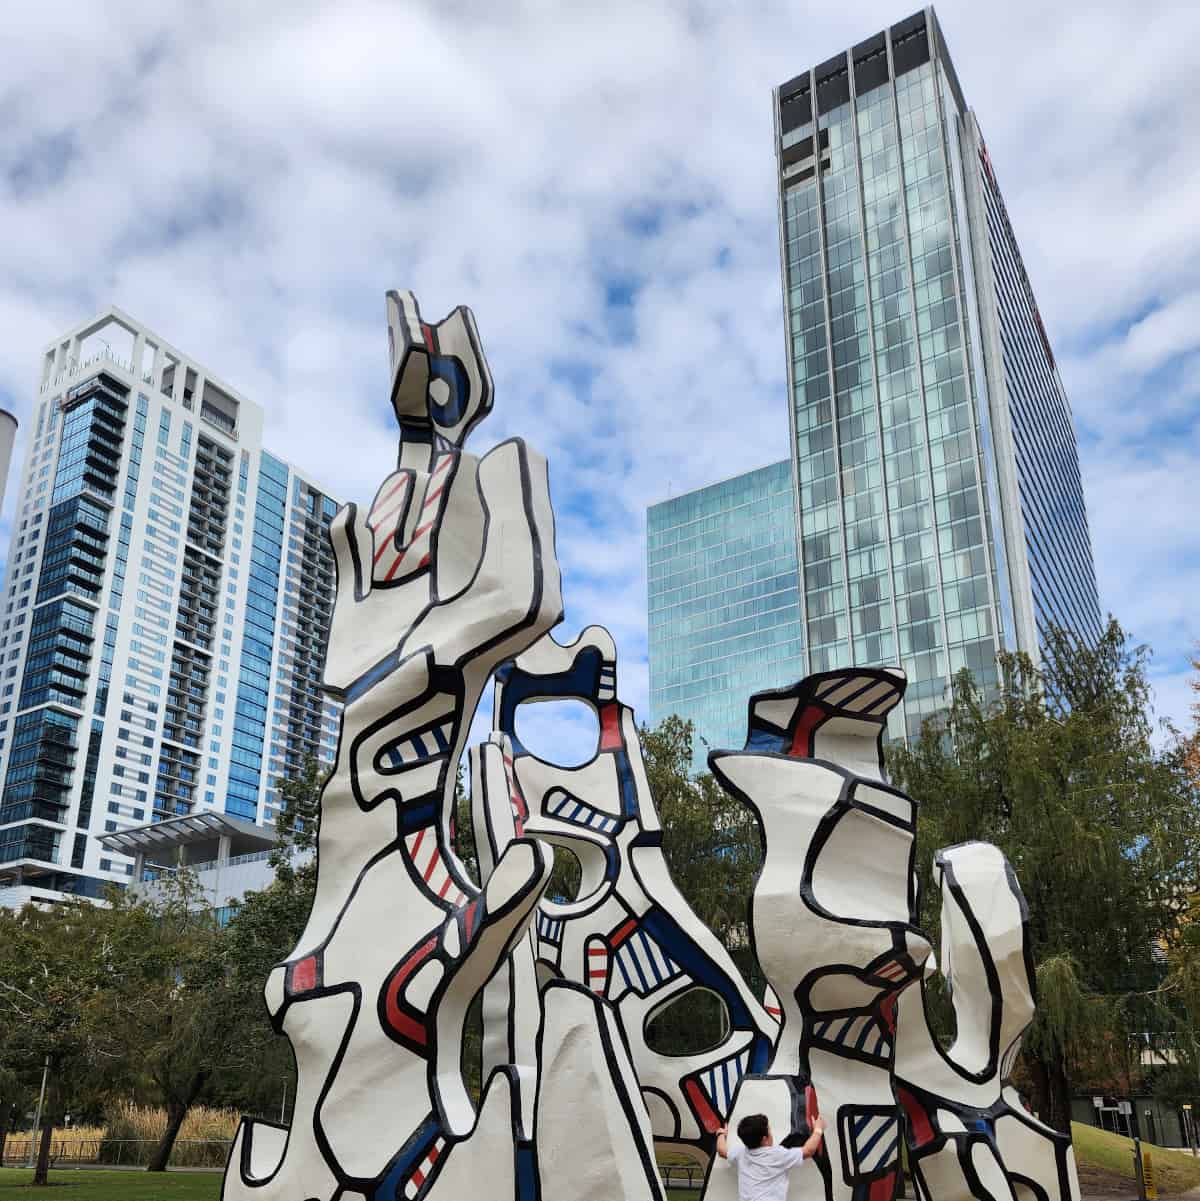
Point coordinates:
pixel 1057 767
pixel 711 841
pixel 167 1019
pixel 12 1095
pixel 1192 744
pixel 298 821
pixel 52 966
pixel 1181 1082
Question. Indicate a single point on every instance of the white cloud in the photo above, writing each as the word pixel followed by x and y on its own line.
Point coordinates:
pixel 249 179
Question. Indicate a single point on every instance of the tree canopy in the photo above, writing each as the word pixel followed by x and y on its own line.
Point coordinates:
pixel 139 996
pixel 1059 769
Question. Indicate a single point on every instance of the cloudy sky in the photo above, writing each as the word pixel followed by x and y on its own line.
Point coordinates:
pixel 596 181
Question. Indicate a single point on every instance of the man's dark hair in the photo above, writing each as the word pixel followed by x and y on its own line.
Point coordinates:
pixel 752 1130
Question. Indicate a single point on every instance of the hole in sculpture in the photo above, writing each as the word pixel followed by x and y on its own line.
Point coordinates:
pixel 463 832
pixel 939 1010
pixel 566 878
pixel 471 1057
pixel 563 732
pixel 688 1024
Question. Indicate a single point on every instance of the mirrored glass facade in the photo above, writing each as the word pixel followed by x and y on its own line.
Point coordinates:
pixel 724 615
pixel 941 514
pixel 1044 460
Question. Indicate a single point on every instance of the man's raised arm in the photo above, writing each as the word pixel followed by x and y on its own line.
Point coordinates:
pixel 812 1144
pixel 722 1144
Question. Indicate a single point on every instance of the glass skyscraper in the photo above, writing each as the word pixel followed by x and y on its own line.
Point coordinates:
pixel 941 512
pixel 164 613
pixel 939 508
pixel 723 614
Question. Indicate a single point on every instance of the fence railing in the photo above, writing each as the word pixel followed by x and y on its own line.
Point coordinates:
pixel 97 1149
pixel 210 1153
pixel 682 1176
pixel 152 873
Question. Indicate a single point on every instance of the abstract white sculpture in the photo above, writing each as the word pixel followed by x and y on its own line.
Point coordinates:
pixel 969 1136
pixel 452 572
pixel 629 935
pixel 451 580
pixel 833 924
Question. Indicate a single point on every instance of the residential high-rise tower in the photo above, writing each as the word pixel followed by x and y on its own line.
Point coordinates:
pixel 164 614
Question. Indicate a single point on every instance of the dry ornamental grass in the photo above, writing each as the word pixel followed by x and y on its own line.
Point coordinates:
pixel 131 1135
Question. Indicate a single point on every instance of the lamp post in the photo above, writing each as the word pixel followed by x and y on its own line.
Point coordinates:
pixel 37 1115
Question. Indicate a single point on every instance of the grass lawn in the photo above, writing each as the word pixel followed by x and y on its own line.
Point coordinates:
pixel 113 1186
pixel 1175 1171
pixel 139 1186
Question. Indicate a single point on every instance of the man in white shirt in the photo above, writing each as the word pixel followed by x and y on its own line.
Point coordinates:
pixel 762 1167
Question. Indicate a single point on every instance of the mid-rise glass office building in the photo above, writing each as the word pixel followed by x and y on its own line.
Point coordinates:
pixel 164 612
pixel 939 506
pixel 723 614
